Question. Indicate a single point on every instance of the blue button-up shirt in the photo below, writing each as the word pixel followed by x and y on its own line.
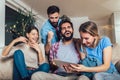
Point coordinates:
pixel 44 32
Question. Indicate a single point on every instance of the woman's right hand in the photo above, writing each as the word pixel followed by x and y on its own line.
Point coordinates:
pixel 83 55
pixel 8 48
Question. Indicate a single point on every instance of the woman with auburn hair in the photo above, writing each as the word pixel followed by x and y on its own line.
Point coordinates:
pixel 97 64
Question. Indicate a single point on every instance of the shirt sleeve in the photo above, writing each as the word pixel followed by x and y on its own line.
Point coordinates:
pixel 106 42
pixel 43 51
pixel 43 34
pixel 51 56
pixel 53 51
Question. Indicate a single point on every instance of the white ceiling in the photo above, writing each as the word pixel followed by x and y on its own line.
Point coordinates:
pixel 94 9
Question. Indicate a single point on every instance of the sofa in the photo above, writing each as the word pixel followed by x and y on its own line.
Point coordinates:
pixel 6 66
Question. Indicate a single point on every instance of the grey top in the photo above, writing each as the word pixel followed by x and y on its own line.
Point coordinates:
pixel 30 55
pixel 67 53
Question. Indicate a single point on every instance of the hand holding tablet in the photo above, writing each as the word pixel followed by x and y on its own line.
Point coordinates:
pixel 64 65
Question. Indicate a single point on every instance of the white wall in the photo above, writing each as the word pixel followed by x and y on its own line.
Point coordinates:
pixel 116 26
pixel 2 23
pixel 77 21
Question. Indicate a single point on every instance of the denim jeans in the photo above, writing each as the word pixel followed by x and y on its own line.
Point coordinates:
pixel 106 76
pixel 20 71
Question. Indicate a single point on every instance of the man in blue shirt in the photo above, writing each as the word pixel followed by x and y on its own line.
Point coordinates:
pixel 50 30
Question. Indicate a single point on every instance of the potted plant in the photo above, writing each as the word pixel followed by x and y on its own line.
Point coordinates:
pixel 23 20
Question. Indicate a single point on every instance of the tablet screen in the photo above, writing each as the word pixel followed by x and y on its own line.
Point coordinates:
pixel 61 63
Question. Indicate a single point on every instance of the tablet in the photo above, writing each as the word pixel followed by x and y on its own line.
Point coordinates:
pixel 61 63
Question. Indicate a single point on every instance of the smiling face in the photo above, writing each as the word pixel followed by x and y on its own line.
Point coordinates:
pixel 67 31
pixel 33 36
pixel 89 34
pixel 87 39
pixel 54 19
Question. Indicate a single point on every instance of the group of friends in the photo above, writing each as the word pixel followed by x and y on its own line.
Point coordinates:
pixel 90 54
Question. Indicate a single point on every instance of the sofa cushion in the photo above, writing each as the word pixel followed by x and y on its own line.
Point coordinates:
pixel 6 66
pixel 6 69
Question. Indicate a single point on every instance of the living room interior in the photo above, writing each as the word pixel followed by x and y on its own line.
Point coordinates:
pixel 106 13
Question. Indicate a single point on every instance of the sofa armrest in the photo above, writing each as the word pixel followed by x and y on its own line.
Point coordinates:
pixel 6 67
pixel 115 53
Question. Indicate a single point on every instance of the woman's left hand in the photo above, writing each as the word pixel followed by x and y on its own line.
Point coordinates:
pixel 77 67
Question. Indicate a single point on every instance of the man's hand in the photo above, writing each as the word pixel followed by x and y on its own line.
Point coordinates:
pixel 50 36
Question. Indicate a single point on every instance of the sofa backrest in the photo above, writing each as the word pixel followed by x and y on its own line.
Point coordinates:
pixel 116 53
